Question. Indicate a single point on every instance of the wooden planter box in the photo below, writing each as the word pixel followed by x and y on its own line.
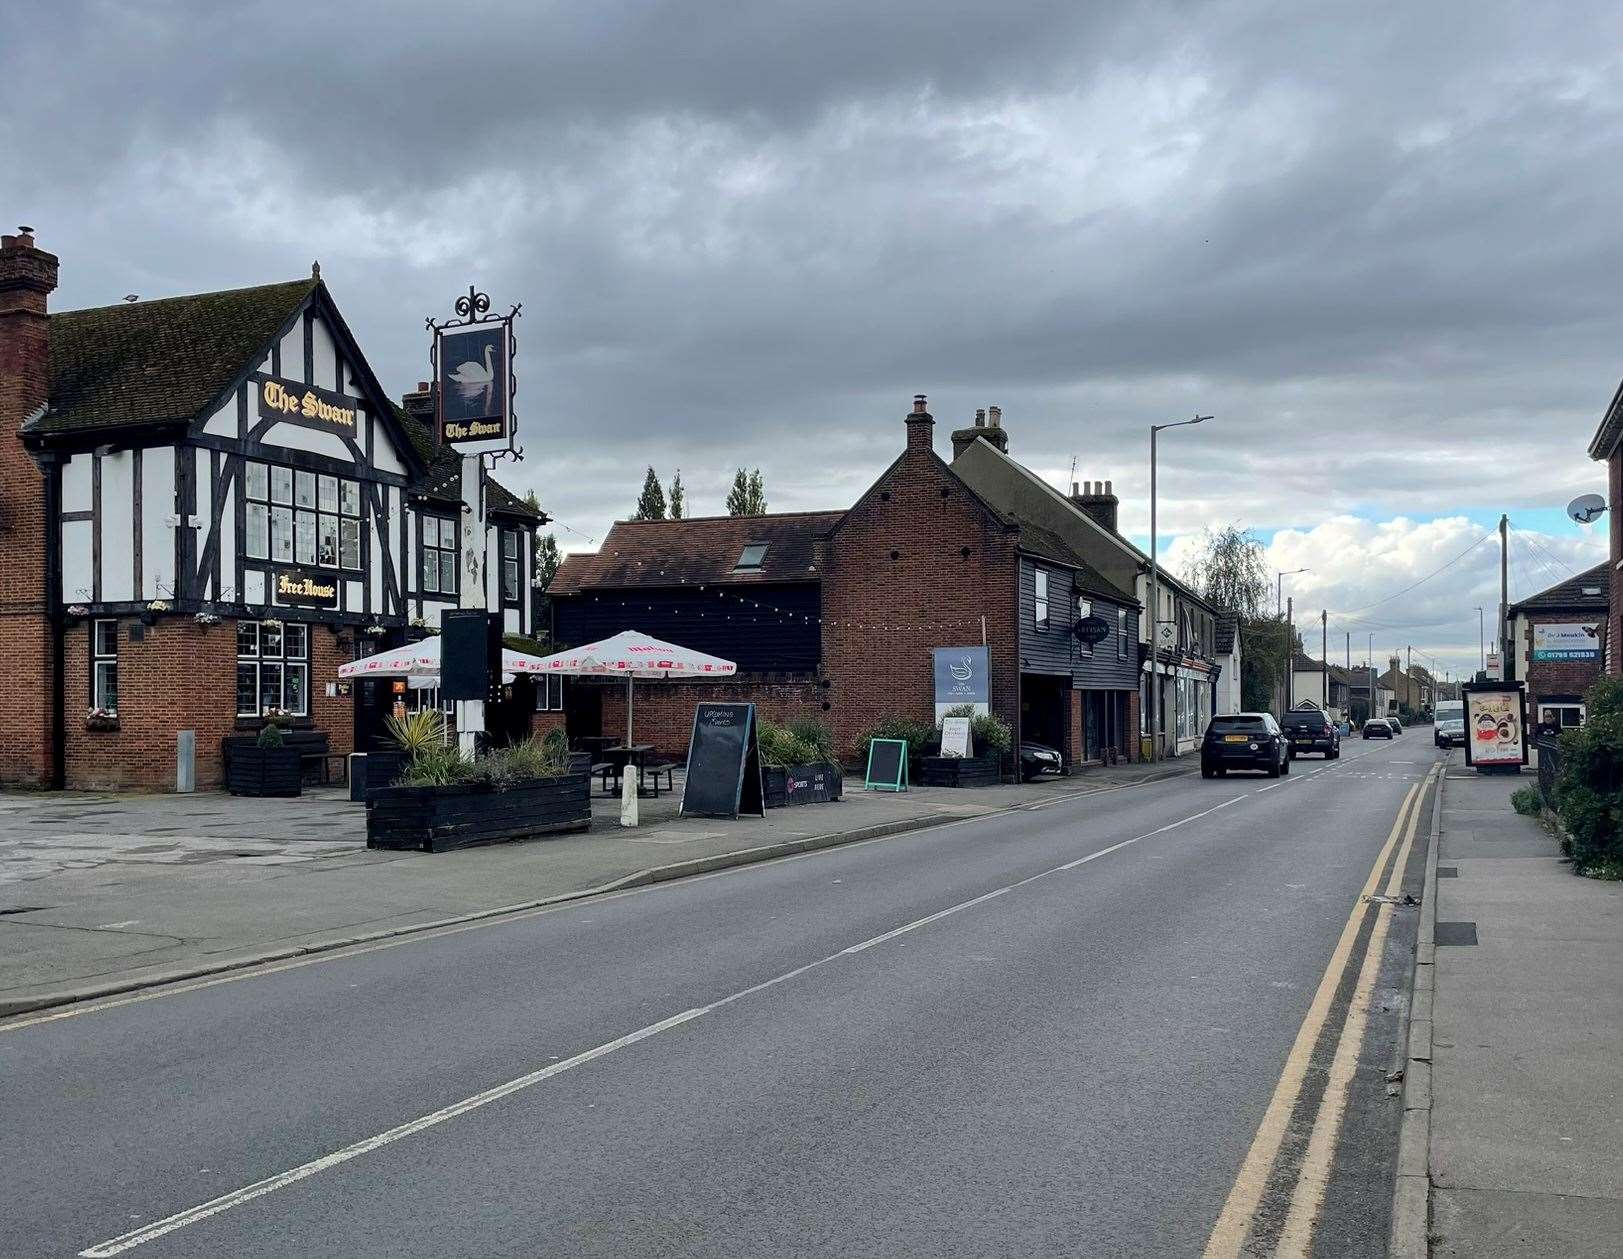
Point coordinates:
pixel 373 773
pixel 439 819
pixel 257 771
pixel 818 782
pixel 959 771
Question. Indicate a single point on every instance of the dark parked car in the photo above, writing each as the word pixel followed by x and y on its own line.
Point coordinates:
pixel 1244 741
pixel 1376 728
pixel 1309 730
pixel 1396 723
pixel 1038 758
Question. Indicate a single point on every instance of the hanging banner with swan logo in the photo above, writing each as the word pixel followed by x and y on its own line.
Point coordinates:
pixel 475 384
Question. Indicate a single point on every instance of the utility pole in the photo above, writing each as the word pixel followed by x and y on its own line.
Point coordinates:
pixel 1290 654
pixel 1481 642
pixel 1505 667
pixel 1371 659
pixel 1324 651
pixel 1408 678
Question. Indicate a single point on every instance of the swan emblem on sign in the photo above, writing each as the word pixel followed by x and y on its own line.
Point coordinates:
pixel 962 672
pixel 470 373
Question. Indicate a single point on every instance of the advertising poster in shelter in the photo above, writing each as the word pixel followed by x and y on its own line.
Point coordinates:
pixel 1495 727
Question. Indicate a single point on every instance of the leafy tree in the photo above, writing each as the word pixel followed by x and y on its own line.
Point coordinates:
pixel 651 503
pixel 757 495
pixel 747 497
pixel 1231 573
pixel 547 559
pixel 677 496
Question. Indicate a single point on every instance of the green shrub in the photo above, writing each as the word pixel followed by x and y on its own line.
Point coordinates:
pixel 815 734
pixel 988 732
pixel 781 745
pixel 1527 801
pixel 270 736
pixel 1589 788
pixel 920 735
pixel 444 765
pixel 416 731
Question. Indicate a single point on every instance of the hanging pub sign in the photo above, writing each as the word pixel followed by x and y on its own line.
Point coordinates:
pixel 306 589
pixel 473 377
pixel 1091 630
pixel 305 404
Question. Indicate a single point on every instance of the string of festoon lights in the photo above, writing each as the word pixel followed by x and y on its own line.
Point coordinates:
pixel 792 616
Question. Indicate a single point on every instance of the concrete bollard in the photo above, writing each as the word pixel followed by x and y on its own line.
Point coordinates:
pixel 186 761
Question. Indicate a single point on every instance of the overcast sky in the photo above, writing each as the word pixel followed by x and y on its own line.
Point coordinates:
pixel 1378 242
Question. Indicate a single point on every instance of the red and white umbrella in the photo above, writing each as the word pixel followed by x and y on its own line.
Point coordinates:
pixel 633 655
pixel 422 660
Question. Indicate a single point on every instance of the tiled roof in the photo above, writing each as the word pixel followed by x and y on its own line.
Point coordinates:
pixel 1042 542
pixel 1570 594
pixel 1228 629
pixel 164 360
pixel 702 550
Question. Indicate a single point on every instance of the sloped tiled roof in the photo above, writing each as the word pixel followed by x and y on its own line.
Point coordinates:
pixel 157 361
pixel 1570 594
pixel 699 551
pixel 1049 545
pixel 1228 630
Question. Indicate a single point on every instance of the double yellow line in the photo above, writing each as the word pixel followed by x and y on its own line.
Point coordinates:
pixel 1312 1175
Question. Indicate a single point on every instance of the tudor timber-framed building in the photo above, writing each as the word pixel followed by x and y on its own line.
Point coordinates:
pixel 207 504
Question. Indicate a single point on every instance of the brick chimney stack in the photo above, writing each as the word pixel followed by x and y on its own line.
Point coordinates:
pixel 920 426
pixel 27 279
pixel 1099 501
pixel 988 428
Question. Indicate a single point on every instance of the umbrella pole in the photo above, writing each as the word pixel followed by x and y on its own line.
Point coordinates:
pixel 629 698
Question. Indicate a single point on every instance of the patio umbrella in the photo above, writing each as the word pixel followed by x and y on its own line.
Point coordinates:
pixel 633 655
pixel 422 660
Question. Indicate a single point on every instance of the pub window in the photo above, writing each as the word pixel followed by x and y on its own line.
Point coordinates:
pixel 273 669
pixel 549 693
pixel 1121 633
pixel 1041 609
pixel 439 555
pixel 104 667
pixel 299 517
pixel 510 565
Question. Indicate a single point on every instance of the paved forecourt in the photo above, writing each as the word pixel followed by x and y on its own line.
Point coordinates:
pixel 1052 1031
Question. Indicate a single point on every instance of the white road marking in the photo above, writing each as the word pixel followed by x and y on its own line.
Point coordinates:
pixel 225 1202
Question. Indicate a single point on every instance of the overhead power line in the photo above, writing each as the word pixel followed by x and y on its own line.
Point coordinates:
pixel 1417 584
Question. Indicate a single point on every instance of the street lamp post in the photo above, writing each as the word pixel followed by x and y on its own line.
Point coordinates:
pixel 1481 642
pixel 1155 598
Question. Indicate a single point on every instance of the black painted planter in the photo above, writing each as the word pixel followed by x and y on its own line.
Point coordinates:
pixel 817 782
pixel 373 772
pixel 257 771
pixel 439 819
pixel 960 771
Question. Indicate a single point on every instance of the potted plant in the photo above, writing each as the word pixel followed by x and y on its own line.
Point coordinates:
pixel 266 767
pixel 990 740
pixel 797 763
pixel 444 800
pixel 101 719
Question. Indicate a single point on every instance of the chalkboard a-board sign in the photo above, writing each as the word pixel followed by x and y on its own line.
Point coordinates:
pixel 887 765
pixel 724 763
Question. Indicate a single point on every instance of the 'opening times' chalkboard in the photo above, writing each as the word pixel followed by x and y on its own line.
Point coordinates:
pixel 724 763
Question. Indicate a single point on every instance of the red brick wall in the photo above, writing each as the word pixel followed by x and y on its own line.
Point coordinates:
pixel 1134 717
pixel 181 676
pixel 913 567
pixel 27 277
pixel 663 711
pixel 1076 726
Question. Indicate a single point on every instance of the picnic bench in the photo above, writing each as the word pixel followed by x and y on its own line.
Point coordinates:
pixel 313 746
pixel 649 771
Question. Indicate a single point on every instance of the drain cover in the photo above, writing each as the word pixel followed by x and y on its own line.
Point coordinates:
pixel 1448 872
pixel 1455 933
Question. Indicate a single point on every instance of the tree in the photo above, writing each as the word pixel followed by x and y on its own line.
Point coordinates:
pixel 547 559
pixel 677 496
pixel 651 503
pixel 747 497
pixel 1231 574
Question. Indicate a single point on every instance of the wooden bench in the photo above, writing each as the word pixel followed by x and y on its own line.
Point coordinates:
pixel 314 748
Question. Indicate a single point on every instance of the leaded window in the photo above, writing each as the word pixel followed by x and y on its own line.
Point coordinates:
pixel 300 517
pixel 273 669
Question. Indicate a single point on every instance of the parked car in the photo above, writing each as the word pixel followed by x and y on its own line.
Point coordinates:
pixel 1376 728
pixel 1039 758
pixel 1244 741
pixel 1310 730
pixel 1396 723
pixel 1450 728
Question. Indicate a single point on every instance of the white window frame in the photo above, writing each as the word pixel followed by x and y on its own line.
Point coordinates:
pixel 1039 599
pixel 1121 633
pixel 287 665
pixel 299 517
pixel 510 566
pixel 437 531
pixel 549 693
pixel 104 667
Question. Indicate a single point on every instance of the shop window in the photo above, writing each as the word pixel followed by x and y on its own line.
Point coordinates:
pixel 1121 633
pixel 510 566
pixel 1040 607
pixel 549 694
pixel 104 667
pixel 273 669
pixel 299 517
pixel 439 555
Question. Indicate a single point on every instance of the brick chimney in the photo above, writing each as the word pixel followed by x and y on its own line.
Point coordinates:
pixel 419 403
pixel 1099 501
pixel 988 428
pixel 27 641
pixel 920 427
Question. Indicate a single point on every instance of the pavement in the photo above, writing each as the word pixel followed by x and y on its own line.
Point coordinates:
pixel 1067 1029
pixel 1526 1116
pixel 105 893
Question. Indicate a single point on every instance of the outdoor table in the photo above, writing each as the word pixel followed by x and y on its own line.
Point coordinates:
pixel 596 744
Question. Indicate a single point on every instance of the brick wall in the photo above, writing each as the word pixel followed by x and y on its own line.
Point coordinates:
pixel 1557 677
pixel 914 566
pixel 27 277
pixel 663 712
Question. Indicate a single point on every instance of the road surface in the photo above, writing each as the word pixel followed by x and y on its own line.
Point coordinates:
pixel 1140 1022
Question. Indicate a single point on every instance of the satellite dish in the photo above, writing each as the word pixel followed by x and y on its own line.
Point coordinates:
pixel 1586 508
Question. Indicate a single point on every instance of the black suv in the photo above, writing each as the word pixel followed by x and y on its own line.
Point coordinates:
pixel 1311 731
pixel 1244 741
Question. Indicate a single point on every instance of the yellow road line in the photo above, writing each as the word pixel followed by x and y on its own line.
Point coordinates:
pixel 1313 1178
pixel 1229 1233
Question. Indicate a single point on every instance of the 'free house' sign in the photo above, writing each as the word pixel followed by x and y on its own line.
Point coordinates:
pixel 309 589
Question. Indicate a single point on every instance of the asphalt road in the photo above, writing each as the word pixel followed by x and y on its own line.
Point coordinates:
pixel 1053 1032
